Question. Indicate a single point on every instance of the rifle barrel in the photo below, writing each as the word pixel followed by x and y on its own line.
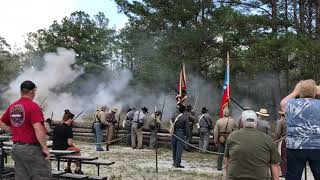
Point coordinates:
pixel 237 103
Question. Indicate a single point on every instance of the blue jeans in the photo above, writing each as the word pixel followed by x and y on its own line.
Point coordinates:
pixel 98 135
pixel 177 146
pixel 296 161
pixel 221 148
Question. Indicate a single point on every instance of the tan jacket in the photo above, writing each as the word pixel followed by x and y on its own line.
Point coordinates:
pixel 221 126
pixel 152 119
pixel 281 129
pixel 100 115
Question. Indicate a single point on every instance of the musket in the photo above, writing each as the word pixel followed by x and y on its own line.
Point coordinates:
pixel 164 102
pixel 195 103
pixel 237 103
pixel 43 101
pixel 79 114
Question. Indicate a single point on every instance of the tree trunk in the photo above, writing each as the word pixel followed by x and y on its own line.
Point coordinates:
pixel 295 17
pixel 301 14
pixel 318 20
pixel 310 13
pixel 287 80
pixel 286 14
pixel 274 16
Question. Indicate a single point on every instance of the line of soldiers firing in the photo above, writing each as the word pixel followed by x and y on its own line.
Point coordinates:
pixel 137 119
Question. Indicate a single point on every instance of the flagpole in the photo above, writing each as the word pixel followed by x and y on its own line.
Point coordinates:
pixel 228 71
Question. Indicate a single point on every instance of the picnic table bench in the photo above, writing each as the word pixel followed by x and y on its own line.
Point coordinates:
pixel 58 154
pixel 65 155
pixel 3 138
pixel 99 163
pixel 78 158
pixel 84 160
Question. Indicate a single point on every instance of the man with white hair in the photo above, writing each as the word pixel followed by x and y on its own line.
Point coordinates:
pixel 249 153
pixel 303 122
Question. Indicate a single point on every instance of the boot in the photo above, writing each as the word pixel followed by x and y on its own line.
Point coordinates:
pixel 107 148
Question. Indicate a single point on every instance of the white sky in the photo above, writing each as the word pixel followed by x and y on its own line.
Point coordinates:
pixel 18 17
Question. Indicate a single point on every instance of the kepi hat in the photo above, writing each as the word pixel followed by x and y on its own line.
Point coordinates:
pixel 145 109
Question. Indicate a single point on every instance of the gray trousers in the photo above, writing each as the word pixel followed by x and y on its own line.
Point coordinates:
pixel 220 156
pixel 204 140
pixel 153 138
pixel 136 135
pixel 29 163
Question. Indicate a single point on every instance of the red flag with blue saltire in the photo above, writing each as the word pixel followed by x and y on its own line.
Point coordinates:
pixel 226 89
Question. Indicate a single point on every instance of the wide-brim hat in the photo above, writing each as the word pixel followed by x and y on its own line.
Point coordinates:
pixel 145 109
pixel 114 110
pixel 263 112
pixel 281 112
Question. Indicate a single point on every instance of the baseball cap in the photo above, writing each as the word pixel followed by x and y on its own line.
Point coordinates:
pixel 249 116
pixel 27 86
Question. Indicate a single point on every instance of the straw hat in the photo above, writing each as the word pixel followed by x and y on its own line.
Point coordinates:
pixel 281 112
pixel 263 112
pixel 114 110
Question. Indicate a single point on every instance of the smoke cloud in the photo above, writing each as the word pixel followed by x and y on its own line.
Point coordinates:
pixel 59 71
pixel 114 89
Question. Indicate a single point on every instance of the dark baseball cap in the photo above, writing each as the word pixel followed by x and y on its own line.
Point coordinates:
pixel 27 86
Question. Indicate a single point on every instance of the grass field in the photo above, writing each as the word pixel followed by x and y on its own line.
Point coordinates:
pixel 140 164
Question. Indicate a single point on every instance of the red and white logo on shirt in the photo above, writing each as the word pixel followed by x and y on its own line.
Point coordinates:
pixel 17 115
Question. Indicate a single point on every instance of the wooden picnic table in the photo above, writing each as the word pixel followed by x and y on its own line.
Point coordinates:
pixel 3 138
pixel 59 153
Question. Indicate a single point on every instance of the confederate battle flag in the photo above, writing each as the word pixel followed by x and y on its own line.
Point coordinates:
pixel 182 80
pixel 182 87
pixel 226 89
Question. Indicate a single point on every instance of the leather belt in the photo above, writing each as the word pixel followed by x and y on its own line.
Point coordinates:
pixel 30 144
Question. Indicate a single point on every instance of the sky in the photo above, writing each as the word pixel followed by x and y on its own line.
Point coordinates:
pixel 19 17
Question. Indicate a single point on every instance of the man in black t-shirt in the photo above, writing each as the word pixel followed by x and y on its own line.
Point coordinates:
pixel 62 139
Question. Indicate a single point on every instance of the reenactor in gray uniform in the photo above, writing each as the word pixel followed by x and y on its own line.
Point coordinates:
pixel 263 124
pixel 180 130
pixel 136 129
pixel 128 123
pixel 191 121
pixel 154 127
pixel 205 123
